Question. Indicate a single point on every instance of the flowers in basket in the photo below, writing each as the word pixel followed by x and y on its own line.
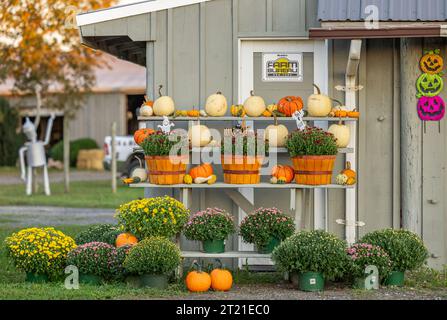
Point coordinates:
pixel 160 216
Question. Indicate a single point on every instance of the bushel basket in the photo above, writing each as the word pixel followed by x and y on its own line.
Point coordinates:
pixel 241 169
pixel 313 170
pixel 166 170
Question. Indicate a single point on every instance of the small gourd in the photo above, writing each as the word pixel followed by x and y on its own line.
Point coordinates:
pixel 254 105
pixel 187 179
pixel 164 105
pixel 273 180
pixel 342 133
pixel 212 179
pixel 341 179
pixel 138 174
pixel 146 108
pixel 237 111
pixel 348 171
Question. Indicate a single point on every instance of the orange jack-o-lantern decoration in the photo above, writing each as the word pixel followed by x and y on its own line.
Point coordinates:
pixel 281 171
pixel 198 280
pixel 432 62
pixel 125 239
pixel 141 134
pixel 290 104
pixel 203 171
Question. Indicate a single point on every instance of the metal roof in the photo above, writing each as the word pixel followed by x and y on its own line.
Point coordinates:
pixel 389 10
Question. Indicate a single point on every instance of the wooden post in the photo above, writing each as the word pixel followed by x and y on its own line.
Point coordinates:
pixel 114 167
pixel 411 136
pixel 66 133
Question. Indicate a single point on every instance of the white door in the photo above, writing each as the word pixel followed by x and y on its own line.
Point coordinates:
pixel 255 57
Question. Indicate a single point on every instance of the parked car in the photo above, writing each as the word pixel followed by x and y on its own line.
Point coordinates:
pixel 127 154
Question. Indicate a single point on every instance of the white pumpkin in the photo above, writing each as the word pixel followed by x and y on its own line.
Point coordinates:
pixel 199 135
pixel 164 105
pixel 254 106
pixel 319 105
pixel 146 111
pixel 341 133
pixel 276 134
pixel 216 105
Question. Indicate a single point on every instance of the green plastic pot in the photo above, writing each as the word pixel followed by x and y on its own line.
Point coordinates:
pixel 36 278
pixel 90 279
pixel 311 281
pixel 159 281
pixel 396 278
pixel 214 246
pixel 133 281
pixel 268 248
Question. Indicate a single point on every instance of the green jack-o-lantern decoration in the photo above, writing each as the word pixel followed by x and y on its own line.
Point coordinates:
pixel 429 85
pixel 432 62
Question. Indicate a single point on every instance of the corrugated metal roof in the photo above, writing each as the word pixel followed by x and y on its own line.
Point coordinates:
pixel 389 10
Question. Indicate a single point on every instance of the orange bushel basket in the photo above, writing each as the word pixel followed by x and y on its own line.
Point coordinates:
pixel 241 169
pixel 313 170
pixel 166 169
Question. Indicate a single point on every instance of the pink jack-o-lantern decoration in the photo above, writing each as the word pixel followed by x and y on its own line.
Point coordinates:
pixel 431 108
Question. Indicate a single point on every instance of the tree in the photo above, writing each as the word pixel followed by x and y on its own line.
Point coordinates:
pixel 40 50
pixel 10 140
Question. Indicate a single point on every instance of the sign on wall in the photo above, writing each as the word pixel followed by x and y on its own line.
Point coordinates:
pixel 287 67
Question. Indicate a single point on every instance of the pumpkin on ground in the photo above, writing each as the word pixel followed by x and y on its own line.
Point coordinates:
pixel 164 105
pixel 432 62
pixel 125 239
pixel 203 171
pixel 197 280
pixel 199 135
pixel 276 134
pixel 283 171
pixel 141 134
pixel 254 105
pixel 319 105
pixel 221 279
pixel 290 104
pixel 342 133
pixel 216 105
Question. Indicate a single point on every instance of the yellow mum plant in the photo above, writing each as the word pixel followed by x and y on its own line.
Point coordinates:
pixel 39 250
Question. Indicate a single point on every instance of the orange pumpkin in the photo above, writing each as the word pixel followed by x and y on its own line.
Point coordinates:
pixel 193 113
pixel 290 104
pixel 221 279
pixel 203 171
pixel 125 239
pixel 141 134
pixel 281 171
pixel 197 280
pixel 348 171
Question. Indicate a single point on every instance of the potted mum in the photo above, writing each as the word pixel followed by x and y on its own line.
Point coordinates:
pixel 40 252
pixel 363 255
pixel 152 260
pixel 95 261
pixel 405 248
pixel 266 228
pixel 242 154
pixel 211 226
pixel 315 256
pixel 313 152
pixel 165 161
pixel 160 216
pixel 106 233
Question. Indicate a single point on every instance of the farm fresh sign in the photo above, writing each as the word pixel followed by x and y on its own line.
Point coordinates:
pixel 282 67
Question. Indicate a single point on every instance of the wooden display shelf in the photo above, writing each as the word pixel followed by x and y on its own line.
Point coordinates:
pixel 229 254
pixel 271 150
pixel 221 185
pixel 330 119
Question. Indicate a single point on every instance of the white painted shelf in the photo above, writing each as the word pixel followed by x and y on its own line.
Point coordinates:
pixel 229 254
pixel 271 150
pixel 330 119
pixel 221 185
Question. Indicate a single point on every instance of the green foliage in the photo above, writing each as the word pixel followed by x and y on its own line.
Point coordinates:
pixel 10 141
pixel 209 224
pixel 57 151
pixel 154 255
pixel 426 277
pixel 265 223
pixel 363 255
pixel 160 216
pixel 245 145
pixel 160 144
pixel 406 250
pixel 313 251
pixel 106 233
pixel 311 142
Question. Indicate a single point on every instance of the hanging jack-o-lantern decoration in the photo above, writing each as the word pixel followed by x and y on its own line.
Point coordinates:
pixel 431 108
pixel 429 85
pixel 432 62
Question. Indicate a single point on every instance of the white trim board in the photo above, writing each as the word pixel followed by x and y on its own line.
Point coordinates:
pixel 132 9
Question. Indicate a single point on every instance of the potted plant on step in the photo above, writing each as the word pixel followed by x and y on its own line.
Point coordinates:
pixel 313 152
pixel 405 248
pixel 40 252
pixel 315 256
pixel 363 255
pixel 266 228
pixel 166 163
pixel 211 226
pixel 152 260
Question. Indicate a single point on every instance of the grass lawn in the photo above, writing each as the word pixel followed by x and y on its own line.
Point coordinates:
pixel 91 194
